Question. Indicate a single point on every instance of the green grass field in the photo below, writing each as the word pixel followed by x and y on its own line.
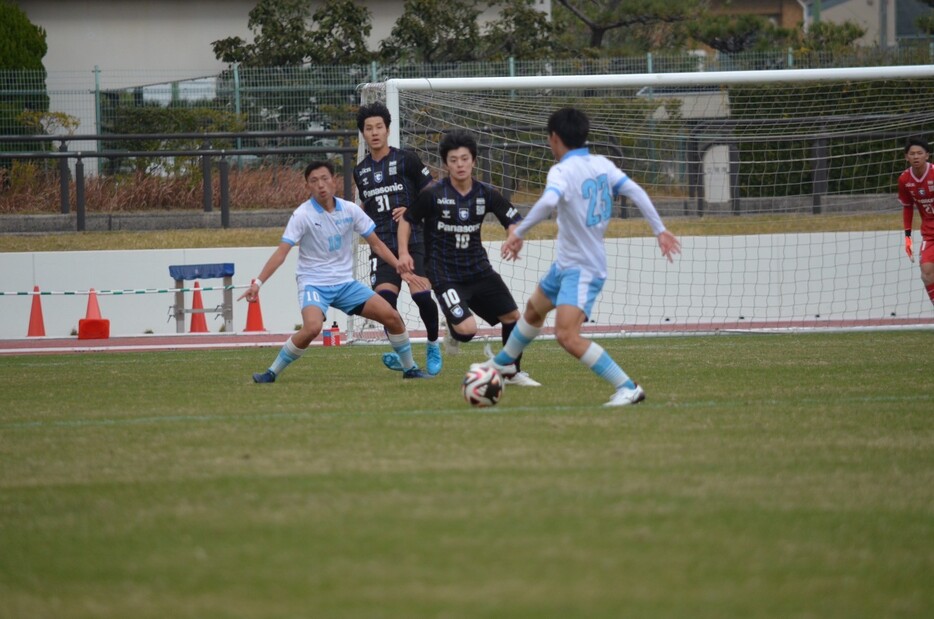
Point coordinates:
pixel 765 476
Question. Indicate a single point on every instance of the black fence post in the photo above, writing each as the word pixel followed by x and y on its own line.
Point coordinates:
pixel 223 167
pixel 208 186
pixel 64 176
pixel 348 164
pixel 79 192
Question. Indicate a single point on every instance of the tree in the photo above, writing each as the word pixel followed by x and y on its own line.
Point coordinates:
pixel 22 43
pixel 733 34
pixel 285 33
pixel 603 16
pixel 830 37
pixel 341 31
pixel 22 74
pixel 925 23
pixel 434 31
pixel 521 32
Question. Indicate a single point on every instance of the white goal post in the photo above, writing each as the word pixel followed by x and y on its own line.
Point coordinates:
pixel 780 183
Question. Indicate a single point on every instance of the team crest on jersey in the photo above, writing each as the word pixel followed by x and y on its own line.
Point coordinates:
pixel 378 176
pixel 463 213
pixel 922 192
pixel 457 311
pixel 481 206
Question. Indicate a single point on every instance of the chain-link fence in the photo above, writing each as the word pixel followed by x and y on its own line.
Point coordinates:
pixel 318 98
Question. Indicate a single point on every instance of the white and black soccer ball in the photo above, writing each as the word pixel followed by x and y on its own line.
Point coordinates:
pixel 482 386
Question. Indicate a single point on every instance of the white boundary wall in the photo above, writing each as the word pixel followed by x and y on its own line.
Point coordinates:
pixel 751 278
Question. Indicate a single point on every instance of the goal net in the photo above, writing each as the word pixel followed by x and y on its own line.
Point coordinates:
pixel 781 186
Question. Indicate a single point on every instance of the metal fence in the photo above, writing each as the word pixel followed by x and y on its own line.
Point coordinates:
pixel 322 98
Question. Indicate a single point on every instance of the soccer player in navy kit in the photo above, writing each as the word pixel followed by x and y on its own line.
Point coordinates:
pixel 325 229
pixel 388 179
pixel 452 211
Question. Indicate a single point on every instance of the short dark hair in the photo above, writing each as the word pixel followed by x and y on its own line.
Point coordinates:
pixel 454 139
pixel 571 125
pixel 371 110
pixel 314 165
pixel 917 141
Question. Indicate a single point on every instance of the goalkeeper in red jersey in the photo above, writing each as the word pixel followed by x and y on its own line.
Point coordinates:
pixel 916 190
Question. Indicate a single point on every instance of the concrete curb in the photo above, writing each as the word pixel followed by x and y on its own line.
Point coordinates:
pixel 141 221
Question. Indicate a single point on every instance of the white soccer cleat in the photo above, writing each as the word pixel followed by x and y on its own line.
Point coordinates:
pixel 508 371
pixel 522 379
pixel 625 396
pixel 451 346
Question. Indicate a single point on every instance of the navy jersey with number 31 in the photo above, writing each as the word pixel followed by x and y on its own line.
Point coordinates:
pixel 390 183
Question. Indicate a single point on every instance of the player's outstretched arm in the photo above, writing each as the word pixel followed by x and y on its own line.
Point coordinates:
pixel 669 245
pixel 275 261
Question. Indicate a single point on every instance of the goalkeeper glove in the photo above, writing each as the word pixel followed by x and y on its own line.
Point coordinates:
pixel 908 245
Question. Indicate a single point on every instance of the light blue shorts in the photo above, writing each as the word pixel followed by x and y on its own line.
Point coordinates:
pixel 348 298
pixel 571 287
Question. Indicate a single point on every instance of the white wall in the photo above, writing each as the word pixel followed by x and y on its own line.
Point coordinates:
pixel 136 35
pixel 834 276
pixel 164 34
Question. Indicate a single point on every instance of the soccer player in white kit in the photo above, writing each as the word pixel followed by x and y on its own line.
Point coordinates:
pixel 325 228
pixel 581 186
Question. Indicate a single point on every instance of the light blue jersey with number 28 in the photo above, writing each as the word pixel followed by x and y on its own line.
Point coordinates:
pixel 586 186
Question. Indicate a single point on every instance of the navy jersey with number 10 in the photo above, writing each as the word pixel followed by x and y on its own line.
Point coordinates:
pixel 453 247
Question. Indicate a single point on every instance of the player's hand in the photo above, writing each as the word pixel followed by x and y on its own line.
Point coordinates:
pixel 417 283
pixel 669 245
pixel 911 254
pixel 511 247
pixel 251 294
pixel 398 213
pixel 405 265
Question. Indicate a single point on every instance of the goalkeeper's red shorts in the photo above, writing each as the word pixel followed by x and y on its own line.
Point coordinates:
pixel 927 251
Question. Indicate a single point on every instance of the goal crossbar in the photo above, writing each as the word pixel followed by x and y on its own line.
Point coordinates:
pixel 658 80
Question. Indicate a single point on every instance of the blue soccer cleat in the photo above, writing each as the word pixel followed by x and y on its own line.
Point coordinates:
pixel 433 361
pixel 266 377
pixel 391 360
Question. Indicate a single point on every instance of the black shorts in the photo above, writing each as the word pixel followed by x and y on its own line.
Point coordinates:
pixel 382 273
pixel 487 297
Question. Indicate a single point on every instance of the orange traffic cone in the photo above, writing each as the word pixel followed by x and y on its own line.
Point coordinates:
pixel 198 322
pixel 254 316
pixel 36 323
pixel 94 310
pixel 92 326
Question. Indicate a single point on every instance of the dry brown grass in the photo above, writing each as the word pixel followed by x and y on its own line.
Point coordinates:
pixel 269 237
pixel 28 189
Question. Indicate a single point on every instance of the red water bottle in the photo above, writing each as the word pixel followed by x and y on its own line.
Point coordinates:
pixel 335 334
